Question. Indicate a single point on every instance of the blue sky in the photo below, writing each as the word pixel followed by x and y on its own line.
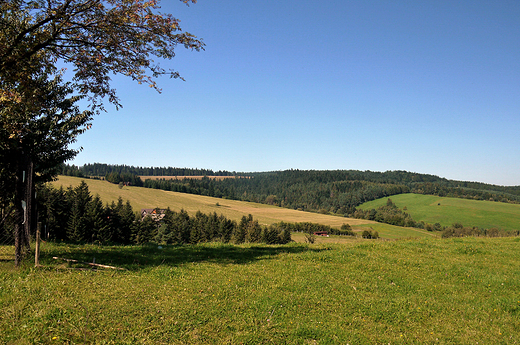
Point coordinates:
pixel 424 86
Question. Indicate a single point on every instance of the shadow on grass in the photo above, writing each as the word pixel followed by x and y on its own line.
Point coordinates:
pixel 139 257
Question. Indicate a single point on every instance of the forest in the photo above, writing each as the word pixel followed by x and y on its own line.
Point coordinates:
pixel 100 170
pixel 74 215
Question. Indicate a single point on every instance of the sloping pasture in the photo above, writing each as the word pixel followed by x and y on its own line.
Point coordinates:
pixel 446 211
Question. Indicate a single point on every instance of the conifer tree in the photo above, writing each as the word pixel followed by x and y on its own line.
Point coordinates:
pixel 78 226
pixel 97 221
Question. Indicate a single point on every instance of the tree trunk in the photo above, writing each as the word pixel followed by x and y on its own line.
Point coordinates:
pixel 29 198
pixel 23 204
pixel 18 215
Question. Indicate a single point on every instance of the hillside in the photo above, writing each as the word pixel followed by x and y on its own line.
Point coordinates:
pixel 447 211
pixel 336 192
pixel 266 214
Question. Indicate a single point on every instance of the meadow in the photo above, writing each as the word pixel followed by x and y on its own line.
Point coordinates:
pixel 446 211
pixel 140 198
pixel 421 291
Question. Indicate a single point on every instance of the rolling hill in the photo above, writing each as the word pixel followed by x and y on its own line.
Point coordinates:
pixel 446 211
pixel 266 214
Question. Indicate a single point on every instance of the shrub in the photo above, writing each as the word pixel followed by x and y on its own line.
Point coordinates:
pixel 346 229
pixel 310 238
pixel 368 234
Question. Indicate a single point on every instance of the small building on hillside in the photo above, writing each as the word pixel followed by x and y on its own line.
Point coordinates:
pixel 321 233
pixel 156 214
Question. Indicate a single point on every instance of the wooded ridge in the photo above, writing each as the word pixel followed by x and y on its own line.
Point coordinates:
pixel 325 191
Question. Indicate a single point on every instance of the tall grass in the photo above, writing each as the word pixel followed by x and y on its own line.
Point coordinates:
pixel 358 292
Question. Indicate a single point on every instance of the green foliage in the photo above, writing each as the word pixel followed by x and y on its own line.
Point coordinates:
pixel 310 238
pixel 346 229
pixel 124 178
pixel 98 38
pixel 88 221
pixel 389 214
pixel 368 234
pixel 99 169
pixel 458 230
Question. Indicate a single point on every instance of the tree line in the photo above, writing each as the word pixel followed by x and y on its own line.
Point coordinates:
pixel 459 230
pixel 74 215
pixel 101 169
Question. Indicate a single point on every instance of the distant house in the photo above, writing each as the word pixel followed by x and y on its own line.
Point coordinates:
pixel 156 214
pixel 321 233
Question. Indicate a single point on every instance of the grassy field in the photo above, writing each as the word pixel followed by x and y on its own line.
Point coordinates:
pixel 423 291
pixel 265 214
pixel 446 211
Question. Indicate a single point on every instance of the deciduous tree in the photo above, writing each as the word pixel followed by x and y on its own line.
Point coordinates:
pixel 95 37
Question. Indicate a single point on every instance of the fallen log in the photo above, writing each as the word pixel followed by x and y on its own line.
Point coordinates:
pixel 89 263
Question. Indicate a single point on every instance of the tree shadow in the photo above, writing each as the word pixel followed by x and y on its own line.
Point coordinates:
pixel 140 257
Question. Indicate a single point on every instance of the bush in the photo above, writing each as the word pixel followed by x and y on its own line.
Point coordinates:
pixel 310 238
pixel 346 229
pixel 368 234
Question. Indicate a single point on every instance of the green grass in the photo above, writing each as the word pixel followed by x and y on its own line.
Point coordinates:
pixel 452 291
pixel 446 211
pixel 266 214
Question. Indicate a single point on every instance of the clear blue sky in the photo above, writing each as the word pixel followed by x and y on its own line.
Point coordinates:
pixel 424 86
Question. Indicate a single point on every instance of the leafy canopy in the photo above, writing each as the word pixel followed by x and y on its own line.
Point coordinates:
pixel 96 37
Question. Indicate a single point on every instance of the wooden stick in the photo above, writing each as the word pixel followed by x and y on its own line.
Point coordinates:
pixel 90 263
pixel 37 251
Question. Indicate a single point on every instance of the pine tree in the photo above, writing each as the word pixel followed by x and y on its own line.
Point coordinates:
pixel 78 222
pixel 98 221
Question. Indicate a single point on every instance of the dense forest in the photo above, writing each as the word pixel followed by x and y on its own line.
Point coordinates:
pixel 101 170
pixel 330 191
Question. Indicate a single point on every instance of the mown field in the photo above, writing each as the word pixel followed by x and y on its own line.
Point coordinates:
pixel 446 211
pixel 422 291
pixel 266 214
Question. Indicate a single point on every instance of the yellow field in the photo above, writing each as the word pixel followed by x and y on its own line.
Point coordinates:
pixel 265 214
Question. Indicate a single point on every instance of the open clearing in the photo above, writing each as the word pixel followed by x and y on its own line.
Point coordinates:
pixel 421 291
pixel 265 214
pixel 446 211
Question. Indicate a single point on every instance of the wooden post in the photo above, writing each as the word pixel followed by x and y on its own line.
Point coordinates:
pixel 37 250
pixel 29 198
pixel 18 214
